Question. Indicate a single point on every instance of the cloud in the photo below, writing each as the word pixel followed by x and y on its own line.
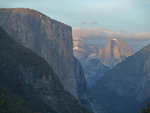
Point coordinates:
pixel 80 33
pixel 84 23
pixel 142 35
pixel 94 23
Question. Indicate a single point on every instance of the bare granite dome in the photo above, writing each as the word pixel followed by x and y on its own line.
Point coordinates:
pixel 125 88
pixel 114 52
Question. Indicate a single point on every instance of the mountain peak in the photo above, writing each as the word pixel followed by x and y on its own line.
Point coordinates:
pixel 20 10
pixel 147 48
pixel 126 84
pixel 114 52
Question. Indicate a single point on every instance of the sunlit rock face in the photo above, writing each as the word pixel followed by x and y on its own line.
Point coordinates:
pixel 115 51
pixel 51 40
pixel 97 61
pixel 82 51
pixel 125 88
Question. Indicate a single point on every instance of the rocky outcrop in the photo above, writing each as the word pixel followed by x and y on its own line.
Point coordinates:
pixel 88 56
pixel 125 88
pixel 114 52
pixel 83 90
pixel 28 84
pixel 82 51
pixel 98 61
pixel 50 39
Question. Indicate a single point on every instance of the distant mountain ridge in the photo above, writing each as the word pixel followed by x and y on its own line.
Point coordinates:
pixel 83 51
pixel 114 52
pixel 97 61
pixel 93 68
pixel 125 88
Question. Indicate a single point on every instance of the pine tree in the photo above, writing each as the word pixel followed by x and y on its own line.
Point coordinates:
pixel 148 108
pixel 143 110
pixel 146 111
pixel 1 102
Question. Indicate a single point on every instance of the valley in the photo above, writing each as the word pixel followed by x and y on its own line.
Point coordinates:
pixel 56 59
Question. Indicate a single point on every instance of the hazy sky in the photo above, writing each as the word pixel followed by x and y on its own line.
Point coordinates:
pixel 121 15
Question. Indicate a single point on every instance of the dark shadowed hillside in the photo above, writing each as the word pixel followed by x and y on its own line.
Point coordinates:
pixel 28 84
pixel 52 40
pixel 125 88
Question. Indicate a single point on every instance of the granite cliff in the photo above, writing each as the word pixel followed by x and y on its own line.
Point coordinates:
pixel 92 65
pixel 28 84
pixel 83 51
pixel 98 61
pixel 114 52
pixel 48 38
pixel 51 40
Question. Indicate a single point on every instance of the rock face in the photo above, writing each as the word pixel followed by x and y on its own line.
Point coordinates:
pixel 48 38
pixel 97 61
pixel 83 51
pixel 84 90
pixel 88 56
pixel 94 70
pixel 125 88
pixel 114 52
pixel 28 84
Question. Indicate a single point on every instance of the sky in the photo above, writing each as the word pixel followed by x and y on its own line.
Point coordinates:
pixel 131 16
